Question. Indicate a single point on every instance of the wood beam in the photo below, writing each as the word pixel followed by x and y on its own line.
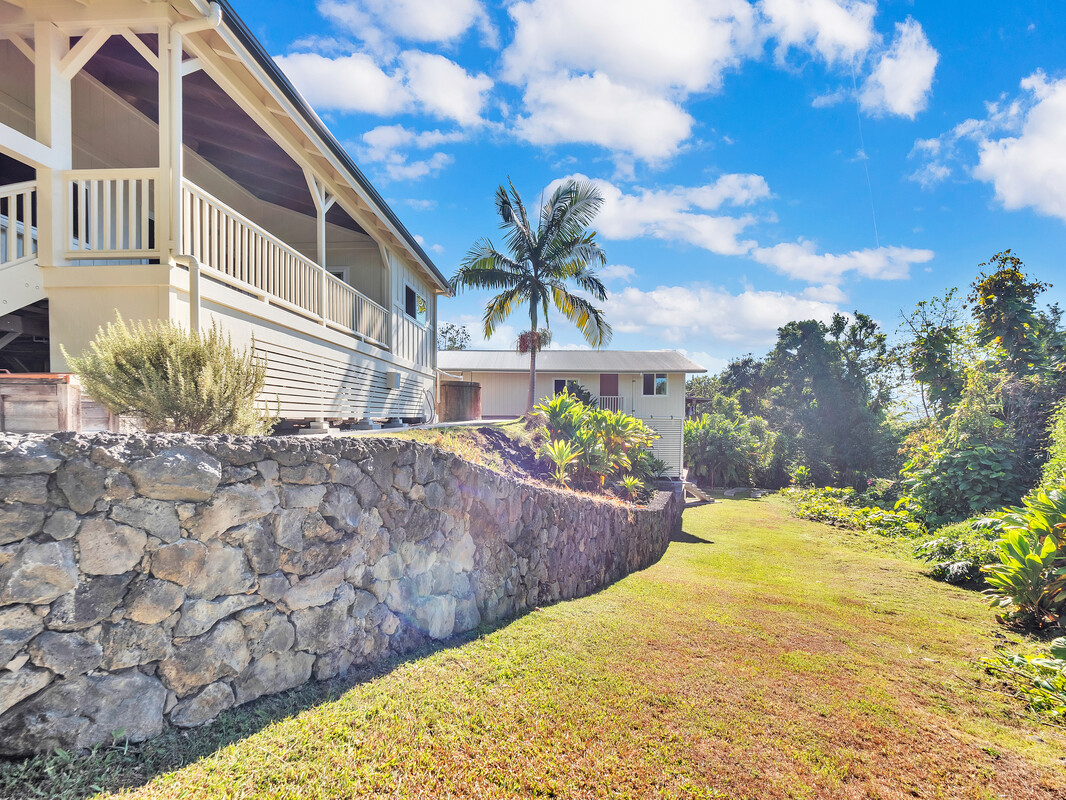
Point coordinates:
pixel 76 58
pixel 23 46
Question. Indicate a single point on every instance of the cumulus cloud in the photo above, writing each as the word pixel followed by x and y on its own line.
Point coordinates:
pixel 678 213
pixel 903 78
pixel 835 30
pixel 671 44
pixel 1029 170
pixel 696 313
pixel 346 83
pixel 592 109
pixel 420 81
pixel 801 260
pixel 1019 147
pixel 617 272
pixel 386 146
pixel 378 22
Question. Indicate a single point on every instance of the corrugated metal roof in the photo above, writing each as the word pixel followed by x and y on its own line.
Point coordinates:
pixel 567 361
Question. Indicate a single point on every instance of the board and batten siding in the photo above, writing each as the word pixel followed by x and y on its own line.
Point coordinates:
pixel 412 340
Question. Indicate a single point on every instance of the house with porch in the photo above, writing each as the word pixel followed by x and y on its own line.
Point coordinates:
pixel 647 384
pixel 155 162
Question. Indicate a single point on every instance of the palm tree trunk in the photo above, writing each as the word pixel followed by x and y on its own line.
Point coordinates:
pixel 532 377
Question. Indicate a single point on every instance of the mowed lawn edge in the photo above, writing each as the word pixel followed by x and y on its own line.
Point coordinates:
pixel 762 657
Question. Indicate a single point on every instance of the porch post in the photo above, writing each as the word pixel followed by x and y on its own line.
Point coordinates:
pixel 323 202
pixel 53 121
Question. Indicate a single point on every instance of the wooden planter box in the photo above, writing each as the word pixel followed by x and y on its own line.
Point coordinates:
pixel 39 402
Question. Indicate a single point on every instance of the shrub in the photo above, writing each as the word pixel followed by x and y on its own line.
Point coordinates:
pixel 846 508
pixel 602 444
pixel 958 551
pixel 1055 467
pixel 562 454
pixel 173 380
pixel 1030 580
pixel 1039 679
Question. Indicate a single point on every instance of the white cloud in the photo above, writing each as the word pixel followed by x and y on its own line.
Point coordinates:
pixel 422 81
pixel 592 109
pixel 673 214
pixel 836 30
pixel 1029 170
pixel 445 89
pixel 617 272
pixel 800 260
pixel 346 83
pixel 378 21
pixel 421 205
pixel 384 146
pixel 694 313
pixel 902 80
pixel 826 293
pixel 670 44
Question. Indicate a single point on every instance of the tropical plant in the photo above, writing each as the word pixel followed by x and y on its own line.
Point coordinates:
pixel 958 551
pixel 724 446
pixel 562 415
pixel 173 380
pixel 563 455
pixel 1030 580
pixel 541 265
pixel 1055 467
pixel 632 487
pixel 1039 679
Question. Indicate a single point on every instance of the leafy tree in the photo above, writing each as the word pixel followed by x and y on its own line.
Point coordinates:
pixel 541 264
pixel 724 446
pixel 1004 306
pixel 702 386
pixel 936 351
pixel 452 337
pixel 746 379
pixel 173 380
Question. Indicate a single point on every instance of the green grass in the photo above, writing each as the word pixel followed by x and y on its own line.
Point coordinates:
pixel 763 657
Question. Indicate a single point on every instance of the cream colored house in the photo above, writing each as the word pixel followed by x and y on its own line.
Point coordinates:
pixel 648 384
pixel 155 161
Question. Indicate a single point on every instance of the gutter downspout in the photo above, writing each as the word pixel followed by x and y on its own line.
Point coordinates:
pixel 212 20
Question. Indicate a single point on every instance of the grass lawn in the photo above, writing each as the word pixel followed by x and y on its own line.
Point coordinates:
pixel 763 657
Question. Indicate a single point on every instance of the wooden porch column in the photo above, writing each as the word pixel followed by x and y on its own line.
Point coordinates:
pixel 323 202
pixel 53 119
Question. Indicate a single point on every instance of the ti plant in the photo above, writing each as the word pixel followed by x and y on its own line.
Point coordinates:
pixel 1039 679
pixel 563 456
pixel 631 487
pixel 1030 579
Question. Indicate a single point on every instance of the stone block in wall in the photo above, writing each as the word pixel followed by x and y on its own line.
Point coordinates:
pixel 38 573
pixel 19 521
pixel 66 654
pixel 222 653
pixel 157 517
pixel 181 473
pixel 93 600
pixel 273 673
pixel 84 711
pixel 107 548
pixel 203 707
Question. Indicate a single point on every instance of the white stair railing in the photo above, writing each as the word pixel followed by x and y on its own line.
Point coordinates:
pixel 243 254
pixel 18 229
pixel 111 214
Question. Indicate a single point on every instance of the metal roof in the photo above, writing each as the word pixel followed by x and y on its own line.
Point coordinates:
pixel 567 361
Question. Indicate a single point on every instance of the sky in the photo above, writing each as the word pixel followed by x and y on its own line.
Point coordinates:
pixel 760 162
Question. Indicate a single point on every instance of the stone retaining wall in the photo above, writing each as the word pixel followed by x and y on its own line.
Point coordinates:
pixel 153 581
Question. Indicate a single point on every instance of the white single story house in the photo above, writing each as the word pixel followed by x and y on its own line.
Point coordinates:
pixel 649 384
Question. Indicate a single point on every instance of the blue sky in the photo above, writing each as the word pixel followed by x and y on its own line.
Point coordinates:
pixel 761 161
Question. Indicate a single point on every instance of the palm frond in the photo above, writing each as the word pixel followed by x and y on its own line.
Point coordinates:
pixel 584 315
pixel 501 307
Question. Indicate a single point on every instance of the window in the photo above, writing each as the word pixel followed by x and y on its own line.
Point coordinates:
pixel 654 383
pixel 571 386
pixel 415 305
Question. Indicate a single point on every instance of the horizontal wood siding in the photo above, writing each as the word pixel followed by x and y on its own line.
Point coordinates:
pixel 309 382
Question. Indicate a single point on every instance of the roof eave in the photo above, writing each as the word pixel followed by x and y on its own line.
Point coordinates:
pixel 239 29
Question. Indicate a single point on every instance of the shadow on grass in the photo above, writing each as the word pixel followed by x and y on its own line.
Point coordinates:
pixel 125 765
pixel 689 538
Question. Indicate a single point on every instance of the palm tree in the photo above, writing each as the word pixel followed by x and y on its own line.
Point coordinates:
pixel 540 266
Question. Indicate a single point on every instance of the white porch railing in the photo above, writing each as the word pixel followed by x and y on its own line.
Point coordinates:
pixel 241 253
pixel 111 214
pixel 611 402
pixel 413 341
pixel 18 231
